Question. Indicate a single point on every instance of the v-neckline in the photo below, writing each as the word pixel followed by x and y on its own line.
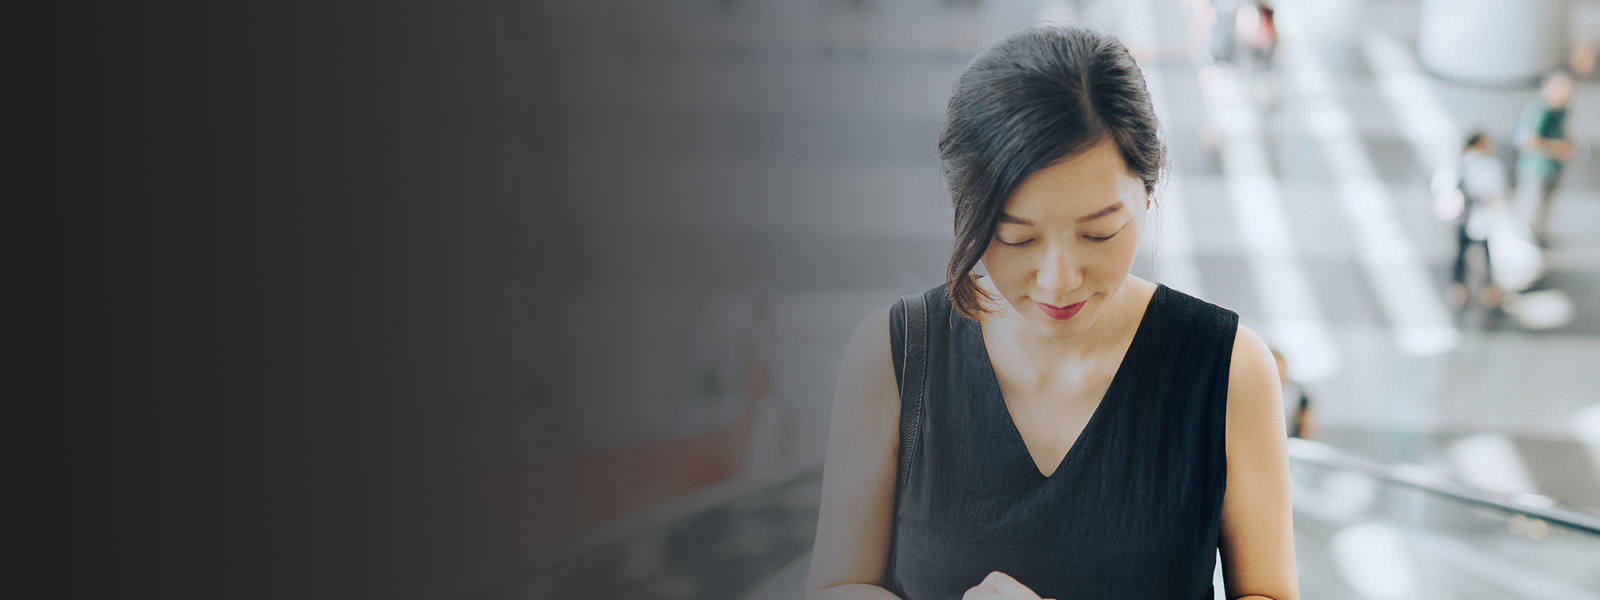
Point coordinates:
pixel 1099 409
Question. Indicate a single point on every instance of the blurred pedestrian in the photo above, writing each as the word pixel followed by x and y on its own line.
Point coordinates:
pixel 1264 43
pixel 1218 20
pixel 1263 54
pixel 1224 29
pixel 1475 202
pixel 1296 404
pixel 1540 135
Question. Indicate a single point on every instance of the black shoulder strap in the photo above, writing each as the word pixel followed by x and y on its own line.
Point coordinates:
pixel 912 385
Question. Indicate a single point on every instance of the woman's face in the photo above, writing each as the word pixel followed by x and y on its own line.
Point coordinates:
pixel 1067 239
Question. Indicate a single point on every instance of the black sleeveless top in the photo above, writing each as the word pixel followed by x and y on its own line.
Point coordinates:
pixel 1132 511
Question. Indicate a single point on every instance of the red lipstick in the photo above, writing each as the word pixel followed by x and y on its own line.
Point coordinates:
pixel 1060 313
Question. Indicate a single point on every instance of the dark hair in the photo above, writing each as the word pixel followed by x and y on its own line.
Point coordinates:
pixel 1473 139
pixel 1040 95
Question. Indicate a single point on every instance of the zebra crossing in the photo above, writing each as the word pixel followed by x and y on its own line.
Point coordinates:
pixel 1410 301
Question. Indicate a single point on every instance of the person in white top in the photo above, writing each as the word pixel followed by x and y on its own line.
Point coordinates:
pixel 1482 186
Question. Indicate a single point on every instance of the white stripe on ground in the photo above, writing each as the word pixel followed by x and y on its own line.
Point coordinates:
pixel 1422 119
pixel 1174 246
pixel 1408 298
pixel 1295 321
pixel 1175 249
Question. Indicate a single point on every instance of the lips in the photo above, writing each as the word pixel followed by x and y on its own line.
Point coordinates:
pixel 1060 313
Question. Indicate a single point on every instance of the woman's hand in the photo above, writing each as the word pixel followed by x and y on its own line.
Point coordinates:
pixel 1000 586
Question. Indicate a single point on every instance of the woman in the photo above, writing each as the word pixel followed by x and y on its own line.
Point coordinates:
pixel 1084 433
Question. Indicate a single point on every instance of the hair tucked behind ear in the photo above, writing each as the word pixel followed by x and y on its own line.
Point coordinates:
pixel 1042 94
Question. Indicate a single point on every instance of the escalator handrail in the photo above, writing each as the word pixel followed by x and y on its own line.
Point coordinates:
pixel 1530 505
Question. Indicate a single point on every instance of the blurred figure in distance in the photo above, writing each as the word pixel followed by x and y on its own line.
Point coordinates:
pixel 1478 200
pixel 1263 53
pixel 1296 404
pixel 1543 149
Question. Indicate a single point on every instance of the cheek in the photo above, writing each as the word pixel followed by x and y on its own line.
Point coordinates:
pixel 1007 267
pixel 1118 256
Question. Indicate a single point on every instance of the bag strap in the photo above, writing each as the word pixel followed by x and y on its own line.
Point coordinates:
pixel 913 357
pixel 913 383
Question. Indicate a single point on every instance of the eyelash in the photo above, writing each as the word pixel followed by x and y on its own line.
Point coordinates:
pixel 1087 237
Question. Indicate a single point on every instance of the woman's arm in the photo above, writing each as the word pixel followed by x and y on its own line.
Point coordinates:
pixel 858 480
pixel 1257 529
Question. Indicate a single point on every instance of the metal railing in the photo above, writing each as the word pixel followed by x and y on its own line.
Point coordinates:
pixel 1432 481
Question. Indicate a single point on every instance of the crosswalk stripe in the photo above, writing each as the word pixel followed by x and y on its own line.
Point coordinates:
pixel 1414 307
pixel 1174 246
pixel 1295 320
pixel 1419 114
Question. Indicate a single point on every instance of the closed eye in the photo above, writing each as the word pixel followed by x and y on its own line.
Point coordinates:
pixel 1102 238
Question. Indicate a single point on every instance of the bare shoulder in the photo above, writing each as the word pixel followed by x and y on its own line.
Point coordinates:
pixel 867 372
pixel 1255 396
pixel 1251 354
pixel 866 401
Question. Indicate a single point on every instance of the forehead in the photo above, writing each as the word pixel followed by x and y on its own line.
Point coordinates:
pixel 1077 186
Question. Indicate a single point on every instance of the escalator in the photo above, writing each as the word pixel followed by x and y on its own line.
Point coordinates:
pixel 1369 530
pixel 1363 529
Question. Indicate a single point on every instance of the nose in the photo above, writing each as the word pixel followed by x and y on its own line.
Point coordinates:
pixel 1060 274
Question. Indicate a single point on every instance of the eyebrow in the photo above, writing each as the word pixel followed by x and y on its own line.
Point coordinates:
pixel 1008 218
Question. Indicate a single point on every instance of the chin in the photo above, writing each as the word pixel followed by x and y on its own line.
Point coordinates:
pixel 1061 330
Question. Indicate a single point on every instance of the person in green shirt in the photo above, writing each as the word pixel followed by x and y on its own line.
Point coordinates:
pixel 1541 136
